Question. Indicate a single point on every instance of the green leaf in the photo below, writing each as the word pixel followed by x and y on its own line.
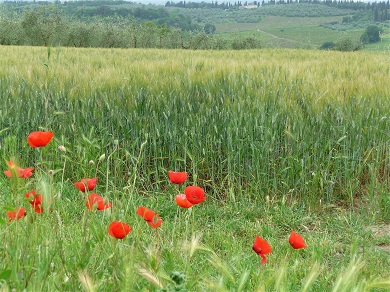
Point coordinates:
pixel 4 275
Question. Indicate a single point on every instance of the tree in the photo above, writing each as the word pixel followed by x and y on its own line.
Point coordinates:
pixel 11 33
pixel 327 46
pixel 371 35
pixel 209 28
pixel 348 45
pixel 40 26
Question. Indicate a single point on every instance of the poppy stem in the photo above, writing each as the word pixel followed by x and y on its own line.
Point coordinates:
pixel 192 220
pixel 157 248
pixel 85 226
pixel 63 174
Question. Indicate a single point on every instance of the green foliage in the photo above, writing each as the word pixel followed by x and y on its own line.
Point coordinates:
pixel 245 43
pixel 179 283
pixel 42 26
pixel 327 46
pixel 302 10
pixel 125 24
pixel 209 28
pixel 348 45
pixel 11 33
pixel 371 35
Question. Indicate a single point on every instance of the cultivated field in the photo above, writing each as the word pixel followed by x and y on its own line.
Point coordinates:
pixel 279 140
pixel 291 32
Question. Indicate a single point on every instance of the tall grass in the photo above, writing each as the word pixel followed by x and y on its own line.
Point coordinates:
pixel 279 139
pixel 268 121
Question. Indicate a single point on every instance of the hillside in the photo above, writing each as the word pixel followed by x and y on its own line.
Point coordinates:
pixel 189 25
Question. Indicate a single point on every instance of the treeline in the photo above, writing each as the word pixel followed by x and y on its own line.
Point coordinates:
pixel 208 5
pixel 381 10
pixel 42 28
pixel 158 15
pixel 126 12
pixel 45 27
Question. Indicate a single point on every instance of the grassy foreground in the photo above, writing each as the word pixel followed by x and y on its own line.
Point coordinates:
pixel 279 139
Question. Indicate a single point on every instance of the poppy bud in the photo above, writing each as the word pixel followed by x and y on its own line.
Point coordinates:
pixel 102 157
pixel 62 148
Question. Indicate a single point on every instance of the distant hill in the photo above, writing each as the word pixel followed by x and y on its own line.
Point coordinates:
pixel 196 25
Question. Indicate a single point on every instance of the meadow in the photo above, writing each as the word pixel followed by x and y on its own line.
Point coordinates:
pixel 279 139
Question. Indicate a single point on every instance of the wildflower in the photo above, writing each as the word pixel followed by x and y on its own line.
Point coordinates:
pixel 39 139
pixel 96 199
pixel 194 194
pixel 296 241
pixel 261 247
pixel 177 177
pixel 38 209
pixel 88 183
pixel 35 201
pixel 119 229
pixel 16 214
pixel 149 216
pixel 181 201
pixel 21 172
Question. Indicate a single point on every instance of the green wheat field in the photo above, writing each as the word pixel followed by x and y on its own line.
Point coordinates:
pixel 279 139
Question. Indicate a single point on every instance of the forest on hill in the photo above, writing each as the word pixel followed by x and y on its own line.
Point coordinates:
pixel 225 25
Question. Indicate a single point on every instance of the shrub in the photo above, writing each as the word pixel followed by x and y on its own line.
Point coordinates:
pixel 371 35
pixel 348 45
pixel 327 46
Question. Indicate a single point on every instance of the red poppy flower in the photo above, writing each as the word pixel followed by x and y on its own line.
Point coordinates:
pixel 177 177
pixel 155 222
pixel 35 201
pixel 98 200
pixel 119 229
pixel 16 214
pixel 39 139
pixel 90 183
pixel 261 247
pixel 296 241
pixel 181 201
pixel 21 172
pixel 38 209
pixel 194 194
pixel 149 216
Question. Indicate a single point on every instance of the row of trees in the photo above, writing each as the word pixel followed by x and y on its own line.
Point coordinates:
pixel 381 10
pixel 47 28
pixel 209 5
pixel 113 11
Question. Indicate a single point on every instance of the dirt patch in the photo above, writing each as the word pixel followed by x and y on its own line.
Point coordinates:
pixel 385 247
pixel 382 231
